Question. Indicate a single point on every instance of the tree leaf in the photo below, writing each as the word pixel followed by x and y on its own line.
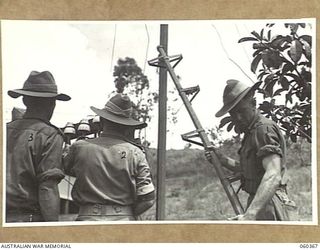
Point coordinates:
pixel 277 41
pixel 261 33
pixel 261 75
pixel 257 52
pixel 307 49
pixel 269 35
pixel 284 83
pixel 230 126
pixel 306 75
pixel 295 77
pixel 260 45
pixel 295 51
pixel 256 35
pixel 293 28
pixel 256 86
pixel 289 97
pixel 255 63
pixel 306 38
pixel 293 137
pixel 285 125
pixel 278 91
pixel 224 121
pixel 265 106
pixel 269 87
pixel 245 39
pixel 288 67
pixel 268 80
pixel 272 59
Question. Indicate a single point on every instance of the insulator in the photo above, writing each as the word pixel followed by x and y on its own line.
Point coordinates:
pixel 69 129
pixel 96 119
pixel 84 126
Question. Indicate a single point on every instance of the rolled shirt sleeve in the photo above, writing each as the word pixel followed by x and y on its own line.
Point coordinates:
pixel 144 183
pixel 50 161
pixel 68 159
pixel 268 141
pixel 263 139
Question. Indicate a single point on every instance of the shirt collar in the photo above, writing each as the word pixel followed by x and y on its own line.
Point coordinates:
pixel 253 121
pixel 112 133
pixel 30 116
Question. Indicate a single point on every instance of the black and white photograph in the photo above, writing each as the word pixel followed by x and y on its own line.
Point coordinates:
pixel 150 122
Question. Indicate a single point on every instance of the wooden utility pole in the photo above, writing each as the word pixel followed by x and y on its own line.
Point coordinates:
pixel 162 130
pixel 226 181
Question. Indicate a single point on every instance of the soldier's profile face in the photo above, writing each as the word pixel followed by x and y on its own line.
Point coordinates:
pixel 242 114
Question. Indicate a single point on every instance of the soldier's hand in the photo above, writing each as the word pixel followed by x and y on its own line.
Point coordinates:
pixel 237 217
pixel 245 216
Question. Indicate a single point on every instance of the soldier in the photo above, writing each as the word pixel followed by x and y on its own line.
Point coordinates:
pixel 113 179
pixel 34 153
pixel 262 156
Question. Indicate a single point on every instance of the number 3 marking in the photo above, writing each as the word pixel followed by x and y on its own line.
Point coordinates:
pixel 30 137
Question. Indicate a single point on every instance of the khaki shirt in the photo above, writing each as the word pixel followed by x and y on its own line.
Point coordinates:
pixel 262 138
pixel 108 170
pixel 34 149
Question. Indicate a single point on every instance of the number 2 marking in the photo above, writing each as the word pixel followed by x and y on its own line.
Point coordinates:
pixel 123 154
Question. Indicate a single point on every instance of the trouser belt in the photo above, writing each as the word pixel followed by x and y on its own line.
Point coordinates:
pixel 99 209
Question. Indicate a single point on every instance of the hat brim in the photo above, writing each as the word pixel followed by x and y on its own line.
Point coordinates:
pixel 227 107
pixel 118 119
pixel 20 92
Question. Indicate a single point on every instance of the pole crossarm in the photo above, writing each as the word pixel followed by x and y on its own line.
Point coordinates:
pixel 165 61
pixel 158 62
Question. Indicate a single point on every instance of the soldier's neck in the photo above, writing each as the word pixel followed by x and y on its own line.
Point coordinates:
pixel 37 114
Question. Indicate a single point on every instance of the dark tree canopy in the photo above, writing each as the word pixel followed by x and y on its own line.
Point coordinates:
pixel 130 79
pixel 283 64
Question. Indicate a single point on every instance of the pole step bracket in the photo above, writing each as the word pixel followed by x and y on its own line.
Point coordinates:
pixel 193 134
pixel 233 178
pixel 158 62
pixel 191 91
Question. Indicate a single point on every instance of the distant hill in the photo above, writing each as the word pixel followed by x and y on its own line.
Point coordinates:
pixel 187 162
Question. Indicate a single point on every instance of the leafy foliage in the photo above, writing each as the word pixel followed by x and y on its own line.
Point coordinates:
pixel 283 64
pixel 216 135
pixel 129 79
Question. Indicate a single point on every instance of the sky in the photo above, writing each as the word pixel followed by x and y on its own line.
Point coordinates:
pixel 81 56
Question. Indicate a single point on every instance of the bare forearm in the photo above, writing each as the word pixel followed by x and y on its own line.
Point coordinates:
pixel 267 188
pixel 49 201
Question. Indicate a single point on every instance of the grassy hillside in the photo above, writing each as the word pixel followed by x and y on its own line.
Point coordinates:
pixel 193 192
